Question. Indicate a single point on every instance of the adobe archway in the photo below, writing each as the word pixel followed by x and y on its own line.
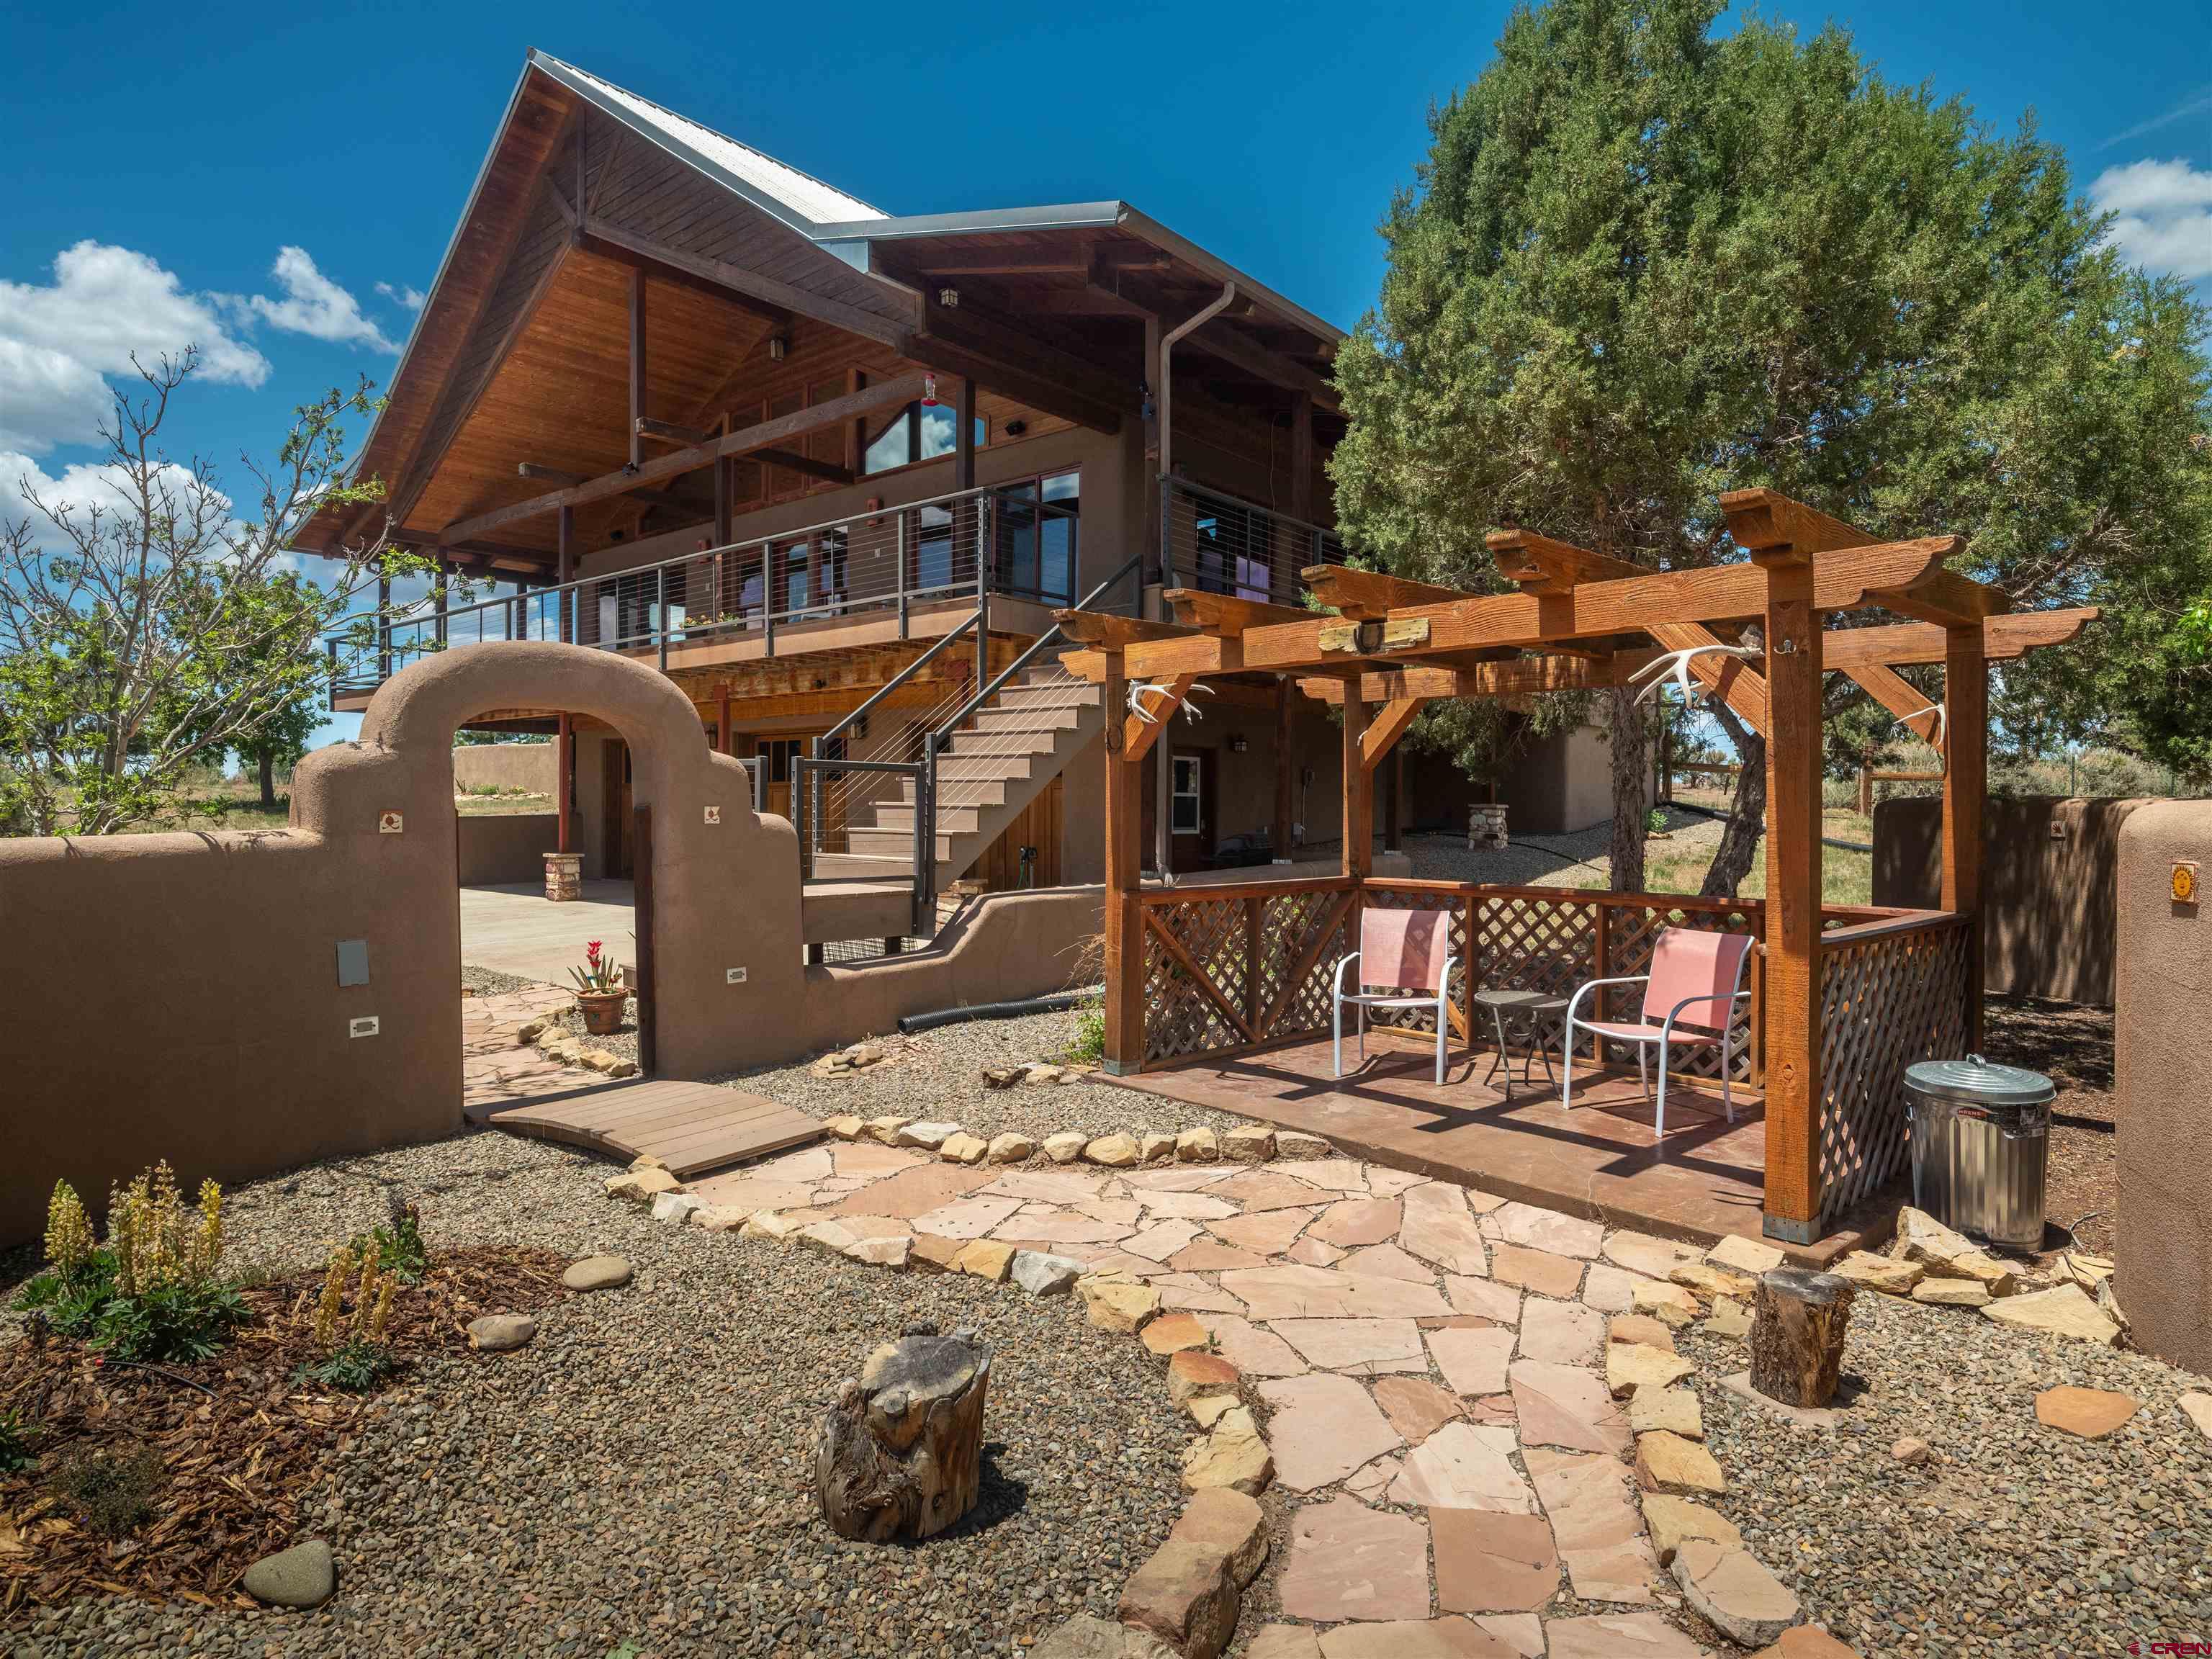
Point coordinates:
pixel 725 882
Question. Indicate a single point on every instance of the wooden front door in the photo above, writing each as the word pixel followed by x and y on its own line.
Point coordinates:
pixel 618 824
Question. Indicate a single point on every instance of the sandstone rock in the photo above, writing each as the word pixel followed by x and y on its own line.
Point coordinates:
pixel 2196 1406
pixel 1010 1148
pixel 501 1333
pixel 1618 1636
pixel 1170 1333
pixel 1890 1274
pixel 1488 1562
pixel 1114 1151
pixel 1115 1305
pixel 641 1186
pixel 648 1160
pixel 1066 1146
pixel 865 1053
pixel 1297 1143
pixel 1640 1328
pixel 305 1575
pixel 1667 1303
pixel 986 1258
pixel 718 1219
pixel 964 1148
pixel 1732 1587
pixel 623 1068
pixel 1745 1255
pixel 1630 1366
pixel 532 1030
pixel 1153 1144
pixel 1198 1146
pixel 601 1059
pixel 1921 1239
pixel 933 1253
pixel 2063 1311
pixel 1348 1561
pixel 1704 1279
pixel 1674 1409
pixel 1667 1463
pixel 768 1224
pixel 1206 1409
pixel 1193 1373
pixel 846 1126
pixel 1951 1293
pixel 1040 1274
pixel 1232 1454
pixel 1230 1524
pixel 2089 1413
pixel 928 1135
pixel 1672 1521
pixel 1185 1595
pixel 1911 1451
pixel 1085 1637
pixel 1807 1642
pixel 1729 1318
pixel 597 1272
pixel 886 1130
pixel 676 1206
pixel 1284 1642
pixel 1250 1143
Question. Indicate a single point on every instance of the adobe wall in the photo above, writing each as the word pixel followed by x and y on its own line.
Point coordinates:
pixel 2047 883
pixel 502 849
pixel 526 766
pixel 2163 1096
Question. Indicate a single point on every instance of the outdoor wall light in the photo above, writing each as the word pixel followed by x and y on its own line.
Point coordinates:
pixel 776 347
pixel 1237 743
pixel 1015 428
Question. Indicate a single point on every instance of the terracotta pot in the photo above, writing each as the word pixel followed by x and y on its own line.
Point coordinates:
pixel 603 1011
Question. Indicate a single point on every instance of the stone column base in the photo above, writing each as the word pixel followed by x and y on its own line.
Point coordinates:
pixel 564 877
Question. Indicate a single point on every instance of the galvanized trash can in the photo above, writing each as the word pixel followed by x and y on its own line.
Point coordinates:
pixel 1981 1141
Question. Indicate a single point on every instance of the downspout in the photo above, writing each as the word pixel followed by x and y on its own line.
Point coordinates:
pixel 1163 772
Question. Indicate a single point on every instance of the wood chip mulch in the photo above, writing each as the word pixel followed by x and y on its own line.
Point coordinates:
pixel 239 1442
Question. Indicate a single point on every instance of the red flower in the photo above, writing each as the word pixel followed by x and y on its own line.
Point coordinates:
pixel 592 950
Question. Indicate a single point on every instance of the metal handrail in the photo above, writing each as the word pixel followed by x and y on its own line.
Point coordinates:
pixel 1323 544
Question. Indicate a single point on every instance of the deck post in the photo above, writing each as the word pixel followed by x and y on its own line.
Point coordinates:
pixel 1965 782
pixel 1358 861
pixel 1792 999
pixel 565 760
pixel 1286 769
pixel 1125 921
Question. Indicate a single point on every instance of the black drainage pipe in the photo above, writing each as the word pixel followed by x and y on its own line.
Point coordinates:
pixel 1051 1005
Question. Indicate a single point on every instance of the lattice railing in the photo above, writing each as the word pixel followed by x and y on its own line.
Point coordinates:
pixel 1229 966
pixel 1892 993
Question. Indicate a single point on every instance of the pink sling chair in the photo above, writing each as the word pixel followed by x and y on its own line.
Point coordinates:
pixel 1689 1001
pixel 1405 961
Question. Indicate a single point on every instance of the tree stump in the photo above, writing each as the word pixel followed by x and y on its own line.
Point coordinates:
pixel 1797 1335
pixel 902 1451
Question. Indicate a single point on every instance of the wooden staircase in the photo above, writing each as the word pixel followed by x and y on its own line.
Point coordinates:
pixel 999 761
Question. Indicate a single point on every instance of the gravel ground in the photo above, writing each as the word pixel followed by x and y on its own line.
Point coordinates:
pixel 939 1074
pixel 641 1473
pixel 2016 1539
pixel 491 982
pixel 1563 861
pixel 623 1042
pixel 2072 1045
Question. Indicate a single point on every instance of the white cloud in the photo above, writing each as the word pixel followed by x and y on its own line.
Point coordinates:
pixel 77 486
pixel 47 398
pixel 315 306
pixel 410 297
pixel 2164 210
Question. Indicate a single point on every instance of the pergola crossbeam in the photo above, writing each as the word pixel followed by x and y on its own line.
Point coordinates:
pixel 1396 718
pixel 1369 596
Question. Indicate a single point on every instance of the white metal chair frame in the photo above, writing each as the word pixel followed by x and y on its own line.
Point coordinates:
pixel 1662 1034
pixel 1362 1000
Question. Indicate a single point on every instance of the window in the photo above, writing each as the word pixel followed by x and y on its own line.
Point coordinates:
pixel 1187 814
pixel 918 432
pixel 1038 539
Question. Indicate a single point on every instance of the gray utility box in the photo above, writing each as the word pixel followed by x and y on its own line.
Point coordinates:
pixel 1981 1142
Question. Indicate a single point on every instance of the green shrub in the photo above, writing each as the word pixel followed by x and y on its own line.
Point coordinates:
pixel 176 1319
pixel 356 1366
pixel 15 1453
pixel 398 1247
pixel 111 1492
pixel 1089 1044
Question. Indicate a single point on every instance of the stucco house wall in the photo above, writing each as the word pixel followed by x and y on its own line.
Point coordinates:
pixel 504 766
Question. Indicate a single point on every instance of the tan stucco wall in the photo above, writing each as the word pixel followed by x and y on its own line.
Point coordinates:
pixel 2163 1099
pixel 505 766
pixel 501 849
pixel 2048 899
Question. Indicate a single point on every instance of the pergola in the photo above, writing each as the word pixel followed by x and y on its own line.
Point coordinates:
pixel 1860 989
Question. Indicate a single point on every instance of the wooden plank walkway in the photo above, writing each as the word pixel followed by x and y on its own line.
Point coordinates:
pixel 690 1126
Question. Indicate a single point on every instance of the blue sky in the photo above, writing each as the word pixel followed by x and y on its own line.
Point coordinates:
pixel 273 185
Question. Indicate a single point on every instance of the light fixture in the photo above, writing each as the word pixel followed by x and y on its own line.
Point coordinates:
pixel 949 298
pixel 1015 428
pixel 775 347
pixel 1237 743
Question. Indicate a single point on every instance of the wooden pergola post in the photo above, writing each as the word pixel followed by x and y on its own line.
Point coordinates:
pixel 1966 784
pixel 1358 861
pixel 1286 771
pixel 1125 921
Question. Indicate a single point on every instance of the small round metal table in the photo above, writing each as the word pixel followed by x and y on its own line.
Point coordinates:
pixel 1524 1014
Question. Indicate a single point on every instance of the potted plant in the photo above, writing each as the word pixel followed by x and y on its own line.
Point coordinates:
pixel 600 992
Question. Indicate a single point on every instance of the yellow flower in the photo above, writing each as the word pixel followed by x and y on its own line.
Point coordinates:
pixel 69 1230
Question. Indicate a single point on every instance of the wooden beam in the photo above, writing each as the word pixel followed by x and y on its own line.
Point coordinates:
pixel 557 476
pixel 1358 860
pixel 1031 370
pixel 1949 599
pixel 1124 918
pixel 1901 645
pixel 1224 614
pixel 1767 521
pixel 1381 736
pixel 1898 695
pixel 1219 340
pixel 750 284
pixel 765 436
pixel 1524 676
pixel 1032 390
pixel 1790 1003
pixel 1965 788
pixel 794 460
pixel 1140 731
pixel 637 366
pixel 670 431
pixel 1109 632
pixel 1368 595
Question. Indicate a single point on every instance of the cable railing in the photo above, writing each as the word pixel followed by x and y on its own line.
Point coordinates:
pixel 1221 544
pixel 952 548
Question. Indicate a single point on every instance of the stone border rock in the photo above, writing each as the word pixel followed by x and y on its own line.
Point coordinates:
pixel 552 1038
pixel 1119 1148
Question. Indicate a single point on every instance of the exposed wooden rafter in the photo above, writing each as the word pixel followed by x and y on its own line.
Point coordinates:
pixel 1369 596
pixel 604 236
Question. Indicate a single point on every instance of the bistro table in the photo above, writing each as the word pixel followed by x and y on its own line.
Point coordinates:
pixel 1524 1014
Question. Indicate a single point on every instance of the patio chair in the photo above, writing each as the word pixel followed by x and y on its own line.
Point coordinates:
pixel 1400 951
pixel 1692 968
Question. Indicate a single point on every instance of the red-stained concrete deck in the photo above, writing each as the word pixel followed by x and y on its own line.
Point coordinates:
pixel 1703 1180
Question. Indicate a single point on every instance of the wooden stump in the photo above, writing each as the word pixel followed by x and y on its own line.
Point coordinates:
pixel 1797 1335
pixel 902 1451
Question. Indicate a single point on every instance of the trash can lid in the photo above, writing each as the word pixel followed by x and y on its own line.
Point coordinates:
pixel 1976 1082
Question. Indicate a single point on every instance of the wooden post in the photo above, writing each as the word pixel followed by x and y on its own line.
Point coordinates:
pixel 1792 1047
pixel 1286 771
pixel 1394 809
pixel 637 408
pixel 722 510
pixel 648 1026
pixel 1965 783
pixel 1154 550
pixel 722 721
pixel 964 440
pixel 564 765
pixel 1255 922
pixel 564 569
pixel 1125 921
pixel 1866 783
pixel 1359 856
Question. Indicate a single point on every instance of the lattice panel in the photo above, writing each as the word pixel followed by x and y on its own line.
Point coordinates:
pixel 1180 1018
pixel 1633 939
pixel 1287 931
pixel 1885 1002
pixel 1399 898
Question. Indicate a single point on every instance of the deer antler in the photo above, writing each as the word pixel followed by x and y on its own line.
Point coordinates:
pixel 1936 728
pixel 1137 700
pixel 1678 664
